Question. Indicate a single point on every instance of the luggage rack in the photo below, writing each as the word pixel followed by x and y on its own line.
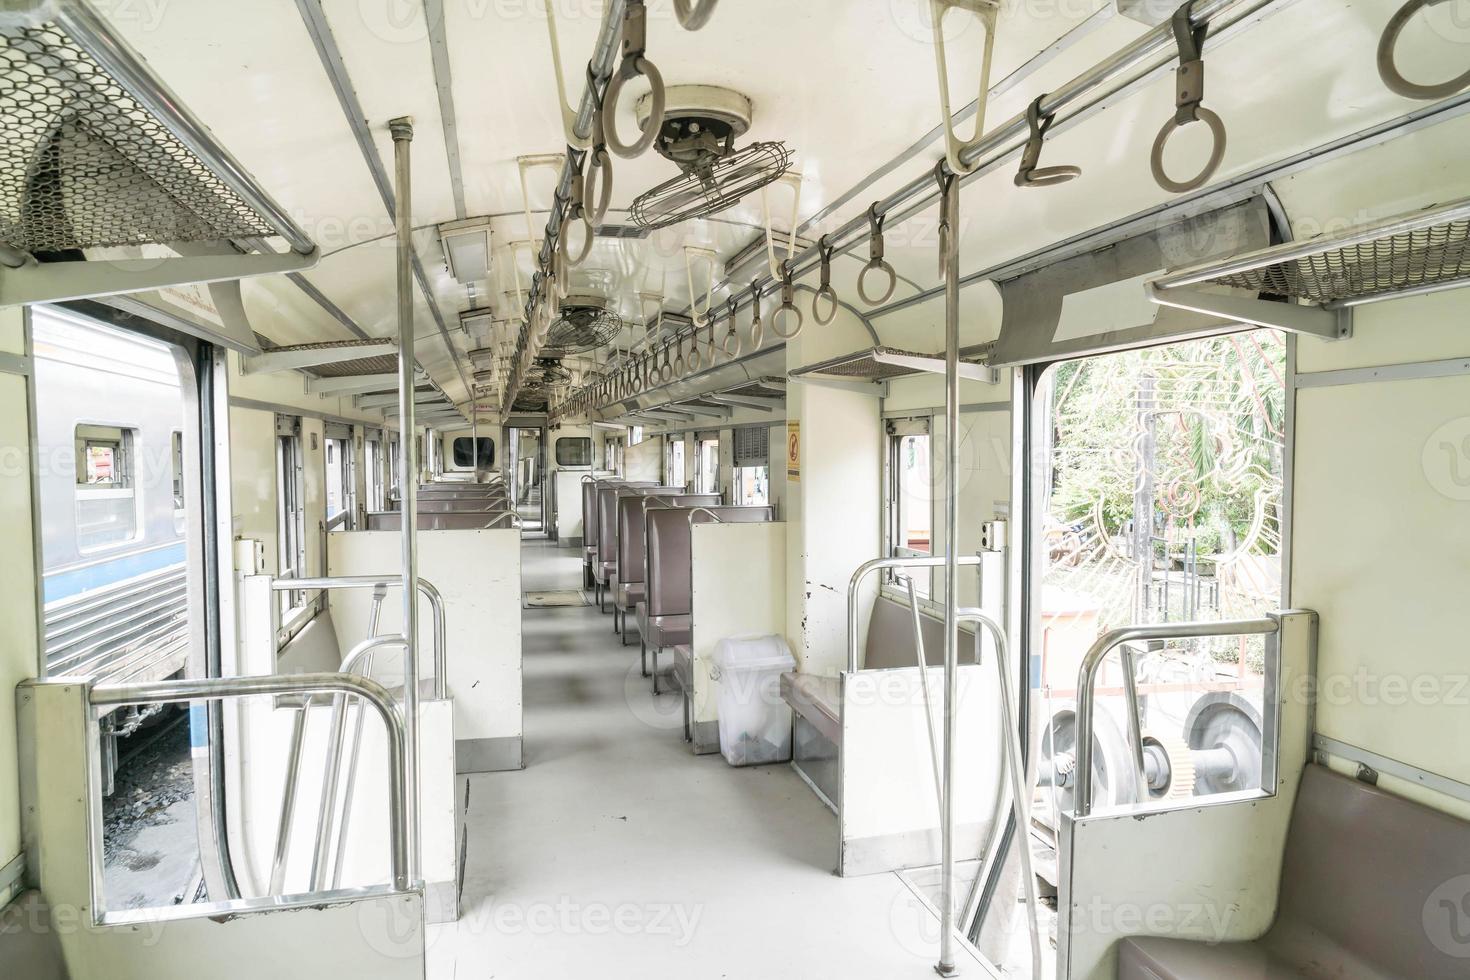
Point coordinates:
pixel 1408 255
pixel 880 364
pixel 96 152
pixel 364 369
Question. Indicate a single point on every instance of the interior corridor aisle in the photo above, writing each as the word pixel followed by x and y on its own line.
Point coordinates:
pixel 617 853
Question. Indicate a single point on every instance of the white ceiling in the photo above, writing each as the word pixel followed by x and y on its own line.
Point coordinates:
pixel 849 85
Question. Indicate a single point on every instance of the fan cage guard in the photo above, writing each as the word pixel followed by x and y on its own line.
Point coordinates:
pixel 84 165
pixel 581 329
pixel 699 194
pixel 1410 260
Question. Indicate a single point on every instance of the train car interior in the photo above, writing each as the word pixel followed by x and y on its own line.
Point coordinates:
pixel 739 489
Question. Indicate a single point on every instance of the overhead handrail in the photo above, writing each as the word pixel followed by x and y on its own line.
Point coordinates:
pixel 426 589
pixel 1092 661
pixel 1388 68
pixel 869 567
pixel 987 12
pixel 568 114
pixel 229 688
pixel 694 14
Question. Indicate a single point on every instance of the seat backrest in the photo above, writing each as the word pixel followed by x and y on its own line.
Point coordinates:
pixel 589 512
pixel 1377 875
pixel 632 542
pixel 453 521
pixel 313 650
pixel 30 940
pixel 891 637
pixel 667 531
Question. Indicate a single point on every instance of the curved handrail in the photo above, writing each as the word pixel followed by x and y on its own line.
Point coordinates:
pixel 869 567
pixel 370 691
pixel 436 603
pixel 1087 679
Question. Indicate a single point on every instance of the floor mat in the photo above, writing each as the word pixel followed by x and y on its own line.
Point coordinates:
pixel 549 600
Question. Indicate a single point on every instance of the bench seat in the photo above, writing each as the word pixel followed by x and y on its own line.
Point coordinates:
pixel 816 699
pixel 1360 876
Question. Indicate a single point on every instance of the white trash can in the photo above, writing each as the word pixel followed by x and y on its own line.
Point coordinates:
pixel 755 724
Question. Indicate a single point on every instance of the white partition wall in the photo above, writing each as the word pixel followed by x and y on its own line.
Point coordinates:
pixel 1208 869
pixel 479 575
pixel 738 588
pixel 889 811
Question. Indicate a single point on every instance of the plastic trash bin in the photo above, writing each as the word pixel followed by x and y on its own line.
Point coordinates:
pixel 755 724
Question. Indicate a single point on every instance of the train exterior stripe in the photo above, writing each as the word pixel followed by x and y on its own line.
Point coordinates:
pixel 64 585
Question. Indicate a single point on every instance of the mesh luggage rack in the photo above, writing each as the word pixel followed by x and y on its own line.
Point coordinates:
pixel 86 163
pixel 1405 255
pixel 878 364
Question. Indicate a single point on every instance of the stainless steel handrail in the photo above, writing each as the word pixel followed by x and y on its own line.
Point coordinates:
pixel 1092 661
pixel 365 650
pixel 1020 797
pixel 869 567
pixel 219 689
pixel 426 588
pixel 91 33
pixel 923 665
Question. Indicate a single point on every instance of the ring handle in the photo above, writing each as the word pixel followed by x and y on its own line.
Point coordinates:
pixel 788 305
pixel 695 361
pixel 599 175
pixel 694 14
pixel 825 291
pixel 876 260
pixel 757 328
pixel 666 369
pixel 731 344
pixel 634 63
pixel 1030 174
pixel 1217 154
pixel 1388 68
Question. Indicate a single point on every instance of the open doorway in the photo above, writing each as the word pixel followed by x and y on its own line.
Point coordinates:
pixel 1155 495
pixel 527 476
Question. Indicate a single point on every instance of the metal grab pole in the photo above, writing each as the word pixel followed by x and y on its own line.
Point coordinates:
pixel 949 223
pixel 288 802
pixel 402 130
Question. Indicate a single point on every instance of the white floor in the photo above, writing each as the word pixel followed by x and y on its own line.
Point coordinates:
pixel 617 853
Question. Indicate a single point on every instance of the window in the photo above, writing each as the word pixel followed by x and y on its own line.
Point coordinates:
pixel 635 435
pixel 373 451
pixel 752 484
pixel 572 451
pixel 707 463
pixel 612 453
pixel 909 492
pixel 675 474
pixel 106 495
pixel 474 452
pixel 341 473
pixel 290 509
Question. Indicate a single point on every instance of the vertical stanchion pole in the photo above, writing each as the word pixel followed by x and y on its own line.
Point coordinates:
pixel 402 130
pixel 949 221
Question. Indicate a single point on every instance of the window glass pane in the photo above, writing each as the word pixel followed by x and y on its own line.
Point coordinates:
pixel 752 486
pixel 465 452
pixel 574 451
pixel 915 495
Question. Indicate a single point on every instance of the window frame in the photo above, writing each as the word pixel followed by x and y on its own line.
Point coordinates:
pixel 290 511
pixel 124 459
pixel 897 428
pixel 582 441
pixel 487 463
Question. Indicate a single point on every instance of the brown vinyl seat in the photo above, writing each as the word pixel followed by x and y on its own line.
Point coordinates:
pixel 632 553
pixel 1361 885
pixel 664 616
